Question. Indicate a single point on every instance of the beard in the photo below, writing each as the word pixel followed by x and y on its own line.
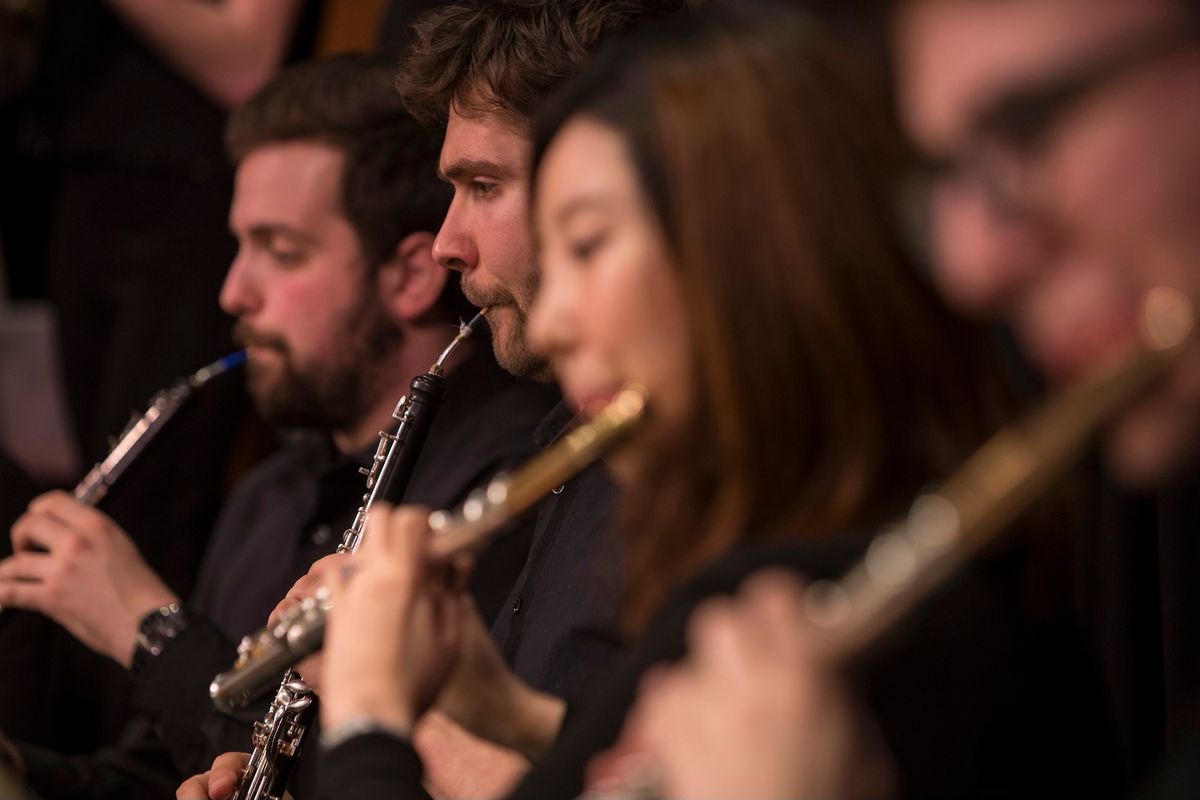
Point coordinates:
pixel 509 343
pixel 334 394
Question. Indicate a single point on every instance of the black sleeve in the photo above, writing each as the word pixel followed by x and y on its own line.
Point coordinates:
pixel 136 768
pixel 176 732
pixel 171 691
pixel 374 765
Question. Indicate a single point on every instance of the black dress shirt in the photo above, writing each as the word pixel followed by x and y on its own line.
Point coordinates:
pixel 558 627
pixel 288 512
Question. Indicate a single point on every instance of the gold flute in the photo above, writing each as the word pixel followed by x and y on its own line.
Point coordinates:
pixel 487 511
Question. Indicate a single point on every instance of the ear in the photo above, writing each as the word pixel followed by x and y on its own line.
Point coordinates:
pixel 410 282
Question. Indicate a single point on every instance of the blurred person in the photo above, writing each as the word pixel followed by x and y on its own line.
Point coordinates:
pixel 1065 185
pixel 791 398
pixel 1061 185
pixel 339 304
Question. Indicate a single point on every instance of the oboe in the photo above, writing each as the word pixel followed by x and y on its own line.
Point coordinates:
pixel 277 739
pixel 486 511
pixel 142 430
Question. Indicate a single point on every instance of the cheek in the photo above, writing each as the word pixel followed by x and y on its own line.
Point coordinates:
pixel 312 307
pixel 507 253
pixel 641 324
pixel 1131 183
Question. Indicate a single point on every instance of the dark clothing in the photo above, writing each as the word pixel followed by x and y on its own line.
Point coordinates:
pixel 286 514
pixel 120 191
pixel 975 701
pixel 16 490
pixel 1142 599
pixel 558 627
pixel 57 692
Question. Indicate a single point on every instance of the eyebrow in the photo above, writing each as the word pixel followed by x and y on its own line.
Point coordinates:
pixel 580 204
pixel 464 167
pixel 267 231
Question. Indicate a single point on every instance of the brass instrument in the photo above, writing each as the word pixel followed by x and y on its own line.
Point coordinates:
pixel 277 739
pixel 487 511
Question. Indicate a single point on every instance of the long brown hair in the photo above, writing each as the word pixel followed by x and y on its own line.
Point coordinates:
pixel 832 382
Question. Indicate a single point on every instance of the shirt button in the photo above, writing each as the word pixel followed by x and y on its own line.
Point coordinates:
pixel 517 606
pixel 322 534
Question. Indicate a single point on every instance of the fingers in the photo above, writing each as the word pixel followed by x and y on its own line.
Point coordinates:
pixel 70 514
pixel 23 580
pixel 28 565
pixel 333 564
pixel 34 531
pixel 194 788
pixel 285 605
pixel 23 594
pixel 225 773
pixel 395 538
pixel 321 573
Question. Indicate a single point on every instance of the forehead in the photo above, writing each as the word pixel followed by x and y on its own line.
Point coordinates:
pixel 295 182
pixel 486 138
pixel 954 56
pixel 586 162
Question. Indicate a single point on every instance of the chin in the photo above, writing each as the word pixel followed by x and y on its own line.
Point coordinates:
pixel 1150 444
pixel 515 357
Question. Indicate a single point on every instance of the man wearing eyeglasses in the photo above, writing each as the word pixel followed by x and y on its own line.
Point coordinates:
pixel 1062 140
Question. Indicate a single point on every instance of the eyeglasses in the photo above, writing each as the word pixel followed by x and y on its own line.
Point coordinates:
pixel 1008 136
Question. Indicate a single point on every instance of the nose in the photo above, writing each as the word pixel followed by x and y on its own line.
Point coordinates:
pixel 240 293
pixel 984 259
pixel 553 325
pixel 454 247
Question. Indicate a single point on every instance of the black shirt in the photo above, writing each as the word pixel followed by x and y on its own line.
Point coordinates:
pixel 558 627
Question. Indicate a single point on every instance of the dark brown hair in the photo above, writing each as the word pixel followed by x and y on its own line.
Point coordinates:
pixel 390 186
pixel 506 55
pixel 831 381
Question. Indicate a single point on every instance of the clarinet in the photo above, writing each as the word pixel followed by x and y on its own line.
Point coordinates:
pixel 277 739
pixel 142 430
pixel 486 512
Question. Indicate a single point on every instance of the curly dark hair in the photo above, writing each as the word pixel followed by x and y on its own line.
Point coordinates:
pixel 506 55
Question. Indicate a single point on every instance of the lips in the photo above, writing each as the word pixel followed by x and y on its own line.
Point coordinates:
pixel 587 402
